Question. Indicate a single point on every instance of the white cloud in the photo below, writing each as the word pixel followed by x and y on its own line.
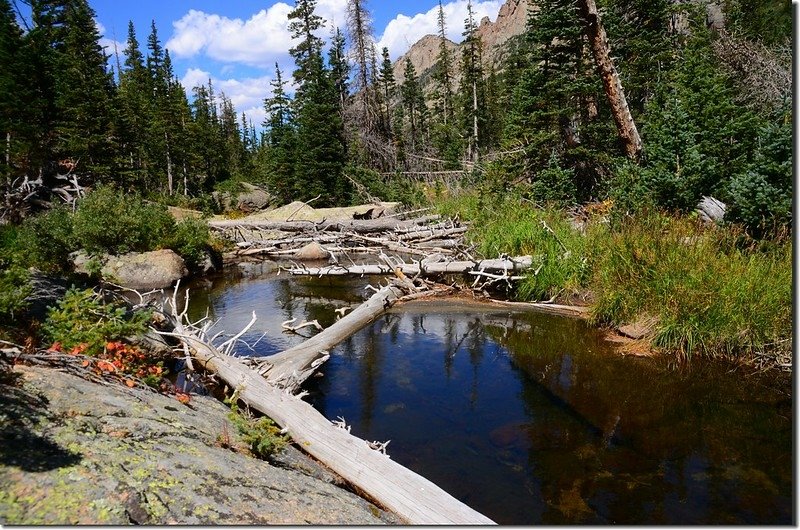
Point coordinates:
pixel 109 45
pixel 246 94
pixel 403 31
pixel 260 40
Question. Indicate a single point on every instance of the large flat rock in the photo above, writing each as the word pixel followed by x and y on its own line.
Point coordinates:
pixel 75 452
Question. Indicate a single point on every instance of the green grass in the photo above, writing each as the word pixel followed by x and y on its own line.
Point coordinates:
pixel 512 226
pixel 714 292
pixel 712 295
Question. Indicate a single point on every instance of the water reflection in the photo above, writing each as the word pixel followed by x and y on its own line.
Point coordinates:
pixel 529 418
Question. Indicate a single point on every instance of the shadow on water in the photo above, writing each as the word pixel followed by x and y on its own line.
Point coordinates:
pixel 531 419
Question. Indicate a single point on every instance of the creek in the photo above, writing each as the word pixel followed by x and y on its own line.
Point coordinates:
pixel 532 418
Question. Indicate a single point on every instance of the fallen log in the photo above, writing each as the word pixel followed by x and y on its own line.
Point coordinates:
pixel 398 489
pixel 502 265
pixel 360 226
pixel 291 367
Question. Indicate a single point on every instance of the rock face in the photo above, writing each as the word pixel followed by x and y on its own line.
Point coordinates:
pixel 74 452
pixel 511 20
pixel 423 55
pixel 149 270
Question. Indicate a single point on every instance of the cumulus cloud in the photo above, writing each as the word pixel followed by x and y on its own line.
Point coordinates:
pixel 258 41
pixel 246 94
pixel 403 31
pixel 109 45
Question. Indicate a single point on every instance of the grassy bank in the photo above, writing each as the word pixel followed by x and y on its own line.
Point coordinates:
pixel 712 291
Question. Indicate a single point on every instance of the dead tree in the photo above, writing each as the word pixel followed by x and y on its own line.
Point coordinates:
pixel 598 41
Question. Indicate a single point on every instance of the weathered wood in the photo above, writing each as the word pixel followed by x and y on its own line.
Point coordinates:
pixel 412 269
pixel 398 489
pixel 289 368
pixel 360 226
pixel 598 41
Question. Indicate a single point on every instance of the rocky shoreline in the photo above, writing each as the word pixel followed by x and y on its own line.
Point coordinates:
pixel 77 452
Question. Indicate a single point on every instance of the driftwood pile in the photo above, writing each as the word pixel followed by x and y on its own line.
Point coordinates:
pixel 419 236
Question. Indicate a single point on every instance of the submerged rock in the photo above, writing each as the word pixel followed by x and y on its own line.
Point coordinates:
pixel 75 452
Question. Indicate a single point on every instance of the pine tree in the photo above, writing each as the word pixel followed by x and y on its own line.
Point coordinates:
pixel 280 141
pixel 340 68
pixel 387 92
pixel 413 103
pixel 320 154
pixel 12 86
pixel 84 94
pixel 473 86
pixel 134 97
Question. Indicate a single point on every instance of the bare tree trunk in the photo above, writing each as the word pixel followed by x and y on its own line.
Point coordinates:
pixel 611 82
pixel 8 148
pixel 169 165
pixel 474 121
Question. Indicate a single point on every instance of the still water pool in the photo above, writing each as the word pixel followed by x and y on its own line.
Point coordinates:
pixel 532 418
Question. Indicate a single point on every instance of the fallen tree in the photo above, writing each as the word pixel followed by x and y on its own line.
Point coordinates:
pixel 410 496
pixel 425 267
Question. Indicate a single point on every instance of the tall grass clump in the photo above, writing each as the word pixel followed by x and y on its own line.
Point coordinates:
pixel 713 293
pixel 510 225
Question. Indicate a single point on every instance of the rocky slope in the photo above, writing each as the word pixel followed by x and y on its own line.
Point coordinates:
pixel 510 21
pixel 75 452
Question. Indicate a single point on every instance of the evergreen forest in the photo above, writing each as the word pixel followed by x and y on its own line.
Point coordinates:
pixel 531 129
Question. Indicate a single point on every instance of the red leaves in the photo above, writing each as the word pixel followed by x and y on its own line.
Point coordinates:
pixel 182 397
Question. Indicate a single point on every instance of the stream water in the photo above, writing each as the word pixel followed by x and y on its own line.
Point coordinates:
pixel 531 418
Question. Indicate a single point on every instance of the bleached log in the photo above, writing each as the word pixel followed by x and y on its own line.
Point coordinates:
pixel 516 264
pixel 291 367
pixel 362 227
pixel 412 497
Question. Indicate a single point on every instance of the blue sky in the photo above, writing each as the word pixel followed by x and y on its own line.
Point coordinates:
pixel 237 43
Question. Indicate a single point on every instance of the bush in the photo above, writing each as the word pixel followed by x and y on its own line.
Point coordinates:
pixel 261 435
pixel 14 286
pixel 761 197
pixel 82 317
pixel 191 240
pixel 109 221
pixel 48 239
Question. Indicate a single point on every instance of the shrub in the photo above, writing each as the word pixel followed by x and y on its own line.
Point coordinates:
pixel 82 317
pixel 191 240
pixel 261 435
pixel 48 239
pixel 108 220
pixel 761 197
pixel 14 286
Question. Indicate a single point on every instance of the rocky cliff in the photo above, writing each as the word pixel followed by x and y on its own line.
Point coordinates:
pixel 510 22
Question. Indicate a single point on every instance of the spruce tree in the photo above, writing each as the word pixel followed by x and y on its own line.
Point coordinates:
pixel 279 141
pixel 415 108
pixel 83 94
pixel 388 89
pixel 321 148
pixel 134 97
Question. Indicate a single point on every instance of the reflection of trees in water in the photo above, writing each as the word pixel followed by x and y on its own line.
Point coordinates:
pixel 369 375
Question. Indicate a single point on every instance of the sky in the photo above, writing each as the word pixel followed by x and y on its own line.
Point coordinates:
pixel 236 43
